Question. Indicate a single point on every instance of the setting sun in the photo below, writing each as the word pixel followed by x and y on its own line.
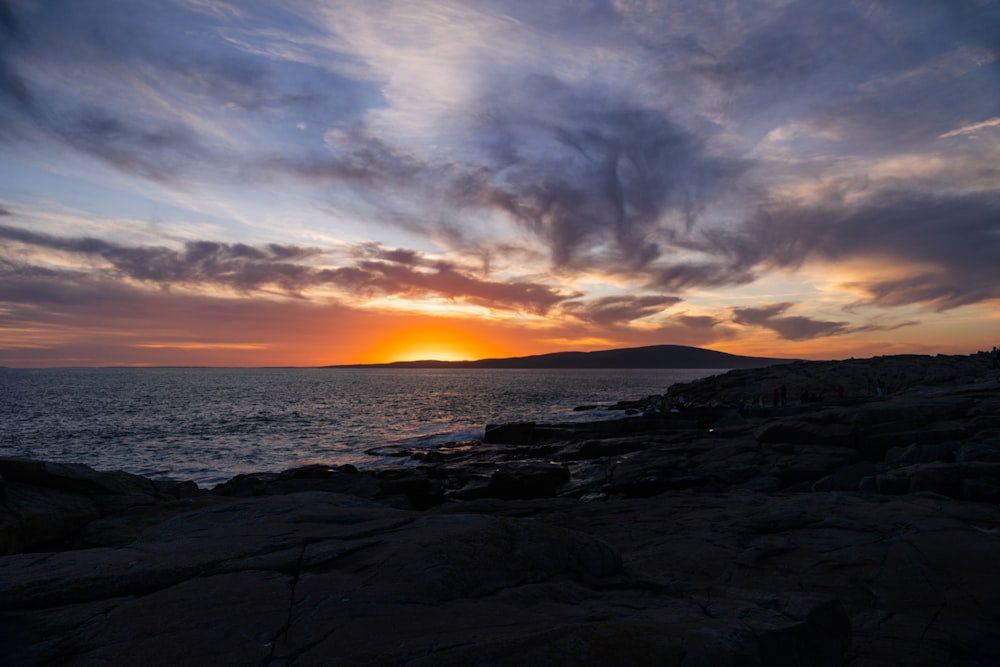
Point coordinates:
pixel 422 353
pixel 426 343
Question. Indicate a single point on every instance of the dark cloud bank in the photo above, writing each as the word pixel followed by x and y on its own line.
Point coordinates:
pixel 947 245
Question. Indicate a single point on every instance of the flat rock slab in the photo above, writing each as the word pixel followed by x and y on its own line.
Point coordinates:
pixel 917 574
pixel 319 578
pixel 694 579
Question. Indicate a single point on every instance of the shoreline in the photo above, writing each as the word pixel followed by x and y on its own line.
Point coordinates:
pixel 860 529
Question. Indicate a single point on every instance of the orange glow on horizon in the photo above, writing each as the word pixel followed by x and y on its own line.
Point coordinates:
pixel 427 342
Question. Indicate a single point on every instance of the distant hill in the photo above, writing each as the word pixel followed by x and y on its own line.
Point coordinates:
pixel 652 356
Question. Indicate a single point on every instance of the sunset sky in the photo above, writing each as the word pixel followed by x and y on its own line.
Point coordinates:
pixel 307 182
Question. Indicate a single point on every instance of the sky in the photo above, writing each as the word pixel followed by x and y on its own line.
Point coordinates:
pixel 250 183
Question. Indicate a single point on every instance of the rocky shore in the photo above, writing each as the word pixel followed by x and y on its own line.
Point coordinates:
pixel 854 521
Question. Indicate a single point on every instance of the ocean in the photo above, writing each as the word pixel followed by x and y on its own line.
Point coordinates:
pixel 210 424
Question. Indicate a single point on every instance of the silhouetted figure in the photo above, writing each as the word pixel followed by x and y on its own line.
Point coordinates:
pixel 774 397
pixel 784 395
pixel 995 357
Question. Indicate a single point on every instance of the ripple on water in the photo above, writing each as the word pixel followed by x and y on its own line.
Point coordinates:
pixel 208 425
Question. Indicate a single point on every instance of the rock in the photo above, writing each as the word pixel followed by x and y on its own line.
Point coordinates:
pixel 74 477
pixel 732 423
pixel 597 448
pixel 527 480
pixel 862 532
pixel 315 477
pixel 948 479
pixel 807 433
pixel 918 454
pixel 39 517
pixel 522 433
pixel 979 451
pixel 244 486
pixel 11 537
pixel 907 375
pixel 175 489
pixel 421 491
pixel 846 478
pixel 806 464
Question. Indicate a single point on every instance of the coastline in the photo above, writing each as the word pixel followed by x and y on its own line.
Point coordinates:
pixel 208 425
pixel 856 529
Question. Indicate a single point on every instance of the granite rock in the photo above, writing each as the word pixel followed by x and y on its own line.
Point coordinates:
pixel 860 530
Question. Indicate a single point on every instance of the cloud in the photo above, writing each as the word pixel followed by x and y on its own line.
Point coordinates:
pixel 152 93
pixel 971 128
pixel 12 83
pixel 948 244
pixel 618 310
pixel 375 251
pixel 156 153
pixel 599 185
pixel 664 148
pixel 26 284
pixel 682 276
pixel 247 269
pixel 874 75
pixel 703 322
pixel 788 327
pixel 798 328
pixel 74 318
pixel 239 266
pixel 443 280
pixel 598 165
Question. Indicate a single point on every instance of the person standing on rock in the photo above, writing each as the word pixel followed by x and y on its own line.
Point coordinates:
pixel 995 358
pixel 784 395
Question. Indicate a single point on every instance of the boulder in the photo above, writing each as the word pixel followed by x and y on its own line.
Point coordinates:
pixel 316 477
pixel 35 517
pixel 415 484
pixel 951 479
pixel 522 433
pixel 808 433
pixel 978 451
pixel 74 477
pixel 598 448
pixel 846 478
pixel 528 480
pixel 915 453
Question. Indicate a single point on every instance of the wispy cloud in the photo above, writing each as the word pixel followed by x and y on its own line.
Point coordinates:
pixel 289 269
pixel 615 310
pixel 586 165
pixel 973 127
pixel 788 327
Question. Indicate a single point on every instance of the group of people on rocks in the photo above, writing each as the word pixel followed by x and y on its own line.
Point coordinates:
pixel 779 395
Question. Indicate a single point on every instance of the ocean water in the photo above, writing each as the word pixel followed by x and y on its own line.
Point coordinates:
pixel 208 425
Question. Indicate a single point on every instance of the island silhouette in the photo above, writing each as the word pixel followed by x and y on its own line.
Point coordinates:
pixel 650 356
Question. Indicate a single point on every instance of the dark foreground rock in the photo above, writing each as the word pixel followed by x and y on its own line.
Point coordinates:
pixel 862 531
